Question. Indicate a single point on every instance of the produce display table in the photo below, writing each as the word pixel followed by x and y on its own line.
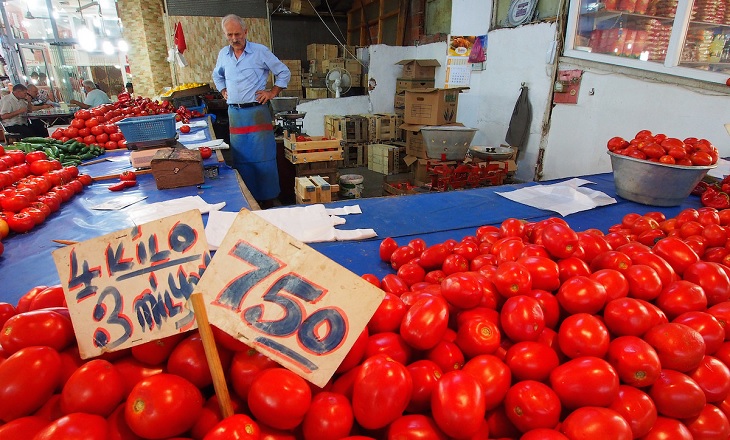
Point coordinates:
pixel 435 217
pixel 54 116
pixel 438 216
pixel 27 260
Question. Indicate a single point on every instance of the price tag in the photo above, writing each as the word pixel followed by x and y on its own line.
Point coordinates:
pixel 285 299
pixel 132 286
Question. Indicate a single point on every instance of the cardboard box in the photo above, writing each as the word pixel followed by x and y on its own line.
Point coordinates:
pixel 301 7
pixel 431 106
pixel 417 69
pixel 321 51
pixel 348 52
pixel 404 84
pixel 314 80
pixel 385 159
pixel 353 66
pixel 177 167
pixel 334 63
pixel 293 65
pixel 316 66
pixel 400 101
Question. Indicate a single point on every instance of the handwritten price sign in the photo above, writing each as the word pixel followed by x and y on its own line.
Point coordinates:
pixel 132 286
pixel 288 301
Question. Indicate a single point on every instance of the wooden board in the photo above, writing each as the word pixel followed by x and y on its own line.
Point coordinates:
pixel 281 297
pixel 131 286
pixel 319 156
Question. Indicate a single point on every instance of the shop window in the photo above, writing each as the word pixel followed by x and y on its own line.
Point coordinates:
pixel 684 38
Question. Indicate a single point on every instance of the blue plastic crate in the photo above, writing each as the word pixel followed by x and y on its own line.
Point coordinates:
pixel 148 128
pixel 200 109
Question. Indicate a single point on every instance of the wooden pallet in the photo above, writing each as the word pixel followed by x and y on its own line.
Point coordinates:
pixel 355 155
pixel 351 129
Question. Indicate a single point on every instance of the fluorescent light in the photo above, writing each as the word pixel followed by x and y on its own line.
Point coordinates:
pixel 107 47
pixel 123 46
pixel 87 39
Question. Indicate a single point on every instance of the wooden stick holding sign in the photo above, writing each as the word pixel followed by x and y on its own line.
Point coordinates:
pixel 286 300
pixel 211 355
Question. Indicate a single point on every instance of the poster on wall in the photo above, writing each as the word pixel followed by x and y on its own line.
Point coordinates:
pixel 463 51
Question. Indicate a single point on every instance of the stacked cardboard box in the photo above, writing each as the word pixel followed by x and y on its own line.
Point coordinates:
pixel 314 81
pixel 417 74
pixel 353 130
pixel 427 107
pixel 295 84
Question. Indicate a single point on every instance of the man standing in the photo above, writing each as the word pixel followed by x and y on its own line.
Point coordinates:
pixel 240 75
pixel 94 96
pixel 14 110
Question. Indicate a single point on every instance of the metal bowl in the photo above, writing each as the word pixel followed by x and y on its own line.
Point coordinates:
pixel 284 103
pixel 451 141
pixel 653 183
pixel 491 153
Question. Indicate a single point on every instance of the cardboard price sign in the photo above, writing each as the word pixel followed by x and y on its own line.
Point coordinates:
pixel 132 286
pixel 278 295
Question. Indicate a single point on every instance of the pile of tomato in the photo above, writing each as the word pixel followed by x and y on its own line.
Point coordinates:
pixel 667 150
pixel 32 187
pixel 523 330
pixel 98 125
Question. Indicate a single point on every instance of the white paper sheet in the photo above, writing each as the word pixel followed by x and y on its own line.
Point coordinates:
pixel 189 138
pixel 215 144
pixel 565 198
pixel 154 211
pixel 310 224
pixel 191 124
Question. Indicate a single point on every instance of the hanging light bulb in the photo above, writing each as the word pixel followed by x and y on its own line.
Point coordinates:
pixel 87 39
pixel 107 47
pixel 123 46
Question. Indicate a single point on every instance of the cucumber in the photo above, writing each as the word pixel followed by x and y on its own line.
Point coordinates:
pixel 37 140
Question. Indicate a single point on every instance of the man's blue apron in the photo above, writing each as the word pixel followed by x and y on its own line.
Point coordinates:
pixel 254 150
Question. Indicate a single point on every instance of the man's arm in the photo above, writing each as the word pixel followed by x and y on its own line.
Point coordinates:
pixel 219 76
pixel 79 104
pixel 5 114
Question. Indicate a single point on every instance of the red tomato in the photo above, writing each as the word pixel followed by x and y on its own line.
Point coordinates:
pixel 677 395
pixel 157 351
pixel 279 398
pixel 455 263
pixel 711 423
pixel 679 347
pixel 433 257
pixel 627 317
pixel 530 360
pixel 6 311
pixel 28 378
pixel 381 383
pixel 668 428
pixel 77 425
pixel 425 323
pixel 356 353
pixel 713 377
pixel 391 344
pixel 23 428
pixel 544 272
pixel 387 246
pixel 392 283
pixel 388 315
pixel 245 366
pixel 713 333
pixel 477 336
pixel 681 296
pixel 713 280
pixel 583 334
pixel 531 405
pixel 635 361
pixel 522 318
pixel 637 408
pixel 594 422
pixel 132 371
pixel 163 405
pixel 415 426
pixel 401 256
pixel 585 381
pixel 458 404
pixel 463 289
pixel 611 260
pixel 95 388
pixel 615 283
pixel 512 279
pixel 559 240
pixel 582 294
pixel 425 375
pixel 238 426
pixel 188 360
pixel 205 152
pixel 37 327
pixel 329 417
pixel 494 376
pixel 676 252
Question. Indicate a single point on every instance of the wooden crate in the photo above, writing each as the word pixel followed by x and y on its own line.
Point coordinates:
pixel 315 189
pixel 397 185
pixel 316 93
pixel 318 149
pixel 350 128
pixel 383 127
pixel 385 159
pixel 355 155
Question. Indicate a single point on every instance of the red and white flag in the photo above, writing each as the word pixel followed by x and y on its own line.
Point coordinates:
pixel 180 38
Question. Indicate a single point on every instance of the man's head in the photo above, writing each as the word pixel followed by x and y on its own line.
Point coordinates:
pixel 88 85
pixel 33 91
pixel 34 77
pixel 20 91
pixel 235 30
pixel 129 87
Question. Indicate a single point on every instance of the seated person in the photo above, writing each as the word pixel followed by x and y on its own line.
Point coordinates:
pixel 39 98
pixel 126 95
pixel 94 96
pixel 14 110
